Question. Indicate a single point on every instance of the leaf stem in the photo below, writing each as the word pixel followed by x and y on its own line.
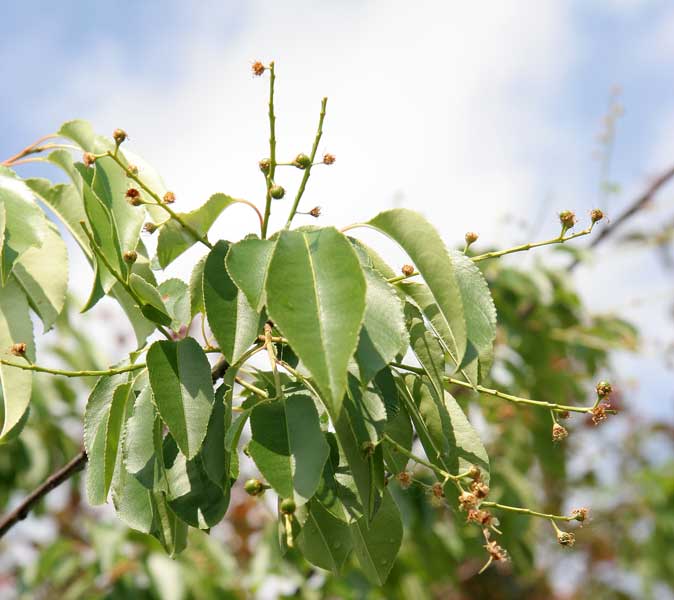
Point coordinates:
pixel 496 254
pixel 527 511
pixel 272 150
pixel 312 156
pixel 524 247
pixel 421 461
pixel 64 373
pixel 498 394
pixel 273 360
pixel 173 214
pixel 251 388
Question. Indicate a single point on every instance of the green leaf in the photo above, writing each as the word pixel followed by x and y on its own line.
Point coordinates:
pixel 448 438
pixel 176 298
pixel 361 421
pixel 132 501
pixel 425 247
pixel 325 540
pixel 426 347
pixel 383 334
pixel 247 263
pixel 180 376
pixel 140 449
pixel 24 225
pixel 191 494
pixel 104 231
pixel 170 530
pixel 15 327
pixel 479 309
pixel 197 288
pixel 288 446
pixel 42 272
pixel 399 428
pixel 215 456
pixel 233 322
pixel 108 181
pixel 152 306
pixel 174 239
pixel 103 420
pixel 376 543
pixel 316 297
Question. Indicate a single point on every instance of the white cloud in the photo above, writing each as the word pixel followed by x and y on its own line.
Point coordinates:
pixel 444 106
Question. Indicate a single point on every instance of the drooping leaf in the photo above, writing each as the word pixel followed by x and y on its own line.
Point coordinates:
pixel 247 264
pixel 360 422
pixel 132 501
pixel 180 376
pixel 426 347
pixel 398 428
pixel 42 272
pixel 215 455
pixel 167 527
pixel 176 298
pixel 152 307
pixel 288 446
pixel 197 288
pixel 448 438
pixel 15 327
pixel 383 334
pixel 103 420
pixel 175 239
pixel 24 224
pixel 316 297
pixel 191 494
pixel 479 309
pixel 376 543
pixel 233 322
pixel 425 247
pixel 140 448
pixel 108 181
pixel 325 540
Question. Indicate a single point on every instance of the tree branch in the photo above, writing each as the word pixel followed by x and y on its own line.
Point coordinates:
pixel 53 481
pixel 66 472
pixel 639 203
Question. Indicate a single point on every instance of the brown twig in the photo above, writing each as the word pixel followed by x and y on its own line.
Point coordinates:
pixel 66 472
pixel 32 149
pixel 53 481
pixel 639 203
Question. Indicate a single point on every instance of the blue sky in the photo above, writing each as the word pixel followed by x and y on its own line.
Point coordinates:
pixel 470 113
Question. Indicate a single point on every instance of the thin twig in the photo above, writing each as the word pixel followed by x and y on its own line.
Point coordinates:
pixel 499 394
pixel 53 481
pixel 307 171
pixel 272 150
pixel 63 373
pixel 32 149
pixel 174 215
pixel 639 203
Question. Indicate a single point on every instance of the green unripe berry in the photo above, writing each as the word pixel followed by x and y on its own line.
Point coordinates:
pixel 302 161
pixel 130 256
pixel 288 506
pixel 265 165
pixel 254 487
pixel 277 192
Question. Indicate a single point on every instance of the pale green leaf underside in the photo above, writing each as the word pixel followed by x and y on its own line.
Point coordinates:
pixel 15 326
pixel 233 322
pixel 174 239
pixel 429 254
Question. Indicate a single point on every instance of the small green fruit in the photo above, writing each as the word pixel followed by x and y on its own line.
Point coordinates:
pixel 288 506
pixel 277 192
